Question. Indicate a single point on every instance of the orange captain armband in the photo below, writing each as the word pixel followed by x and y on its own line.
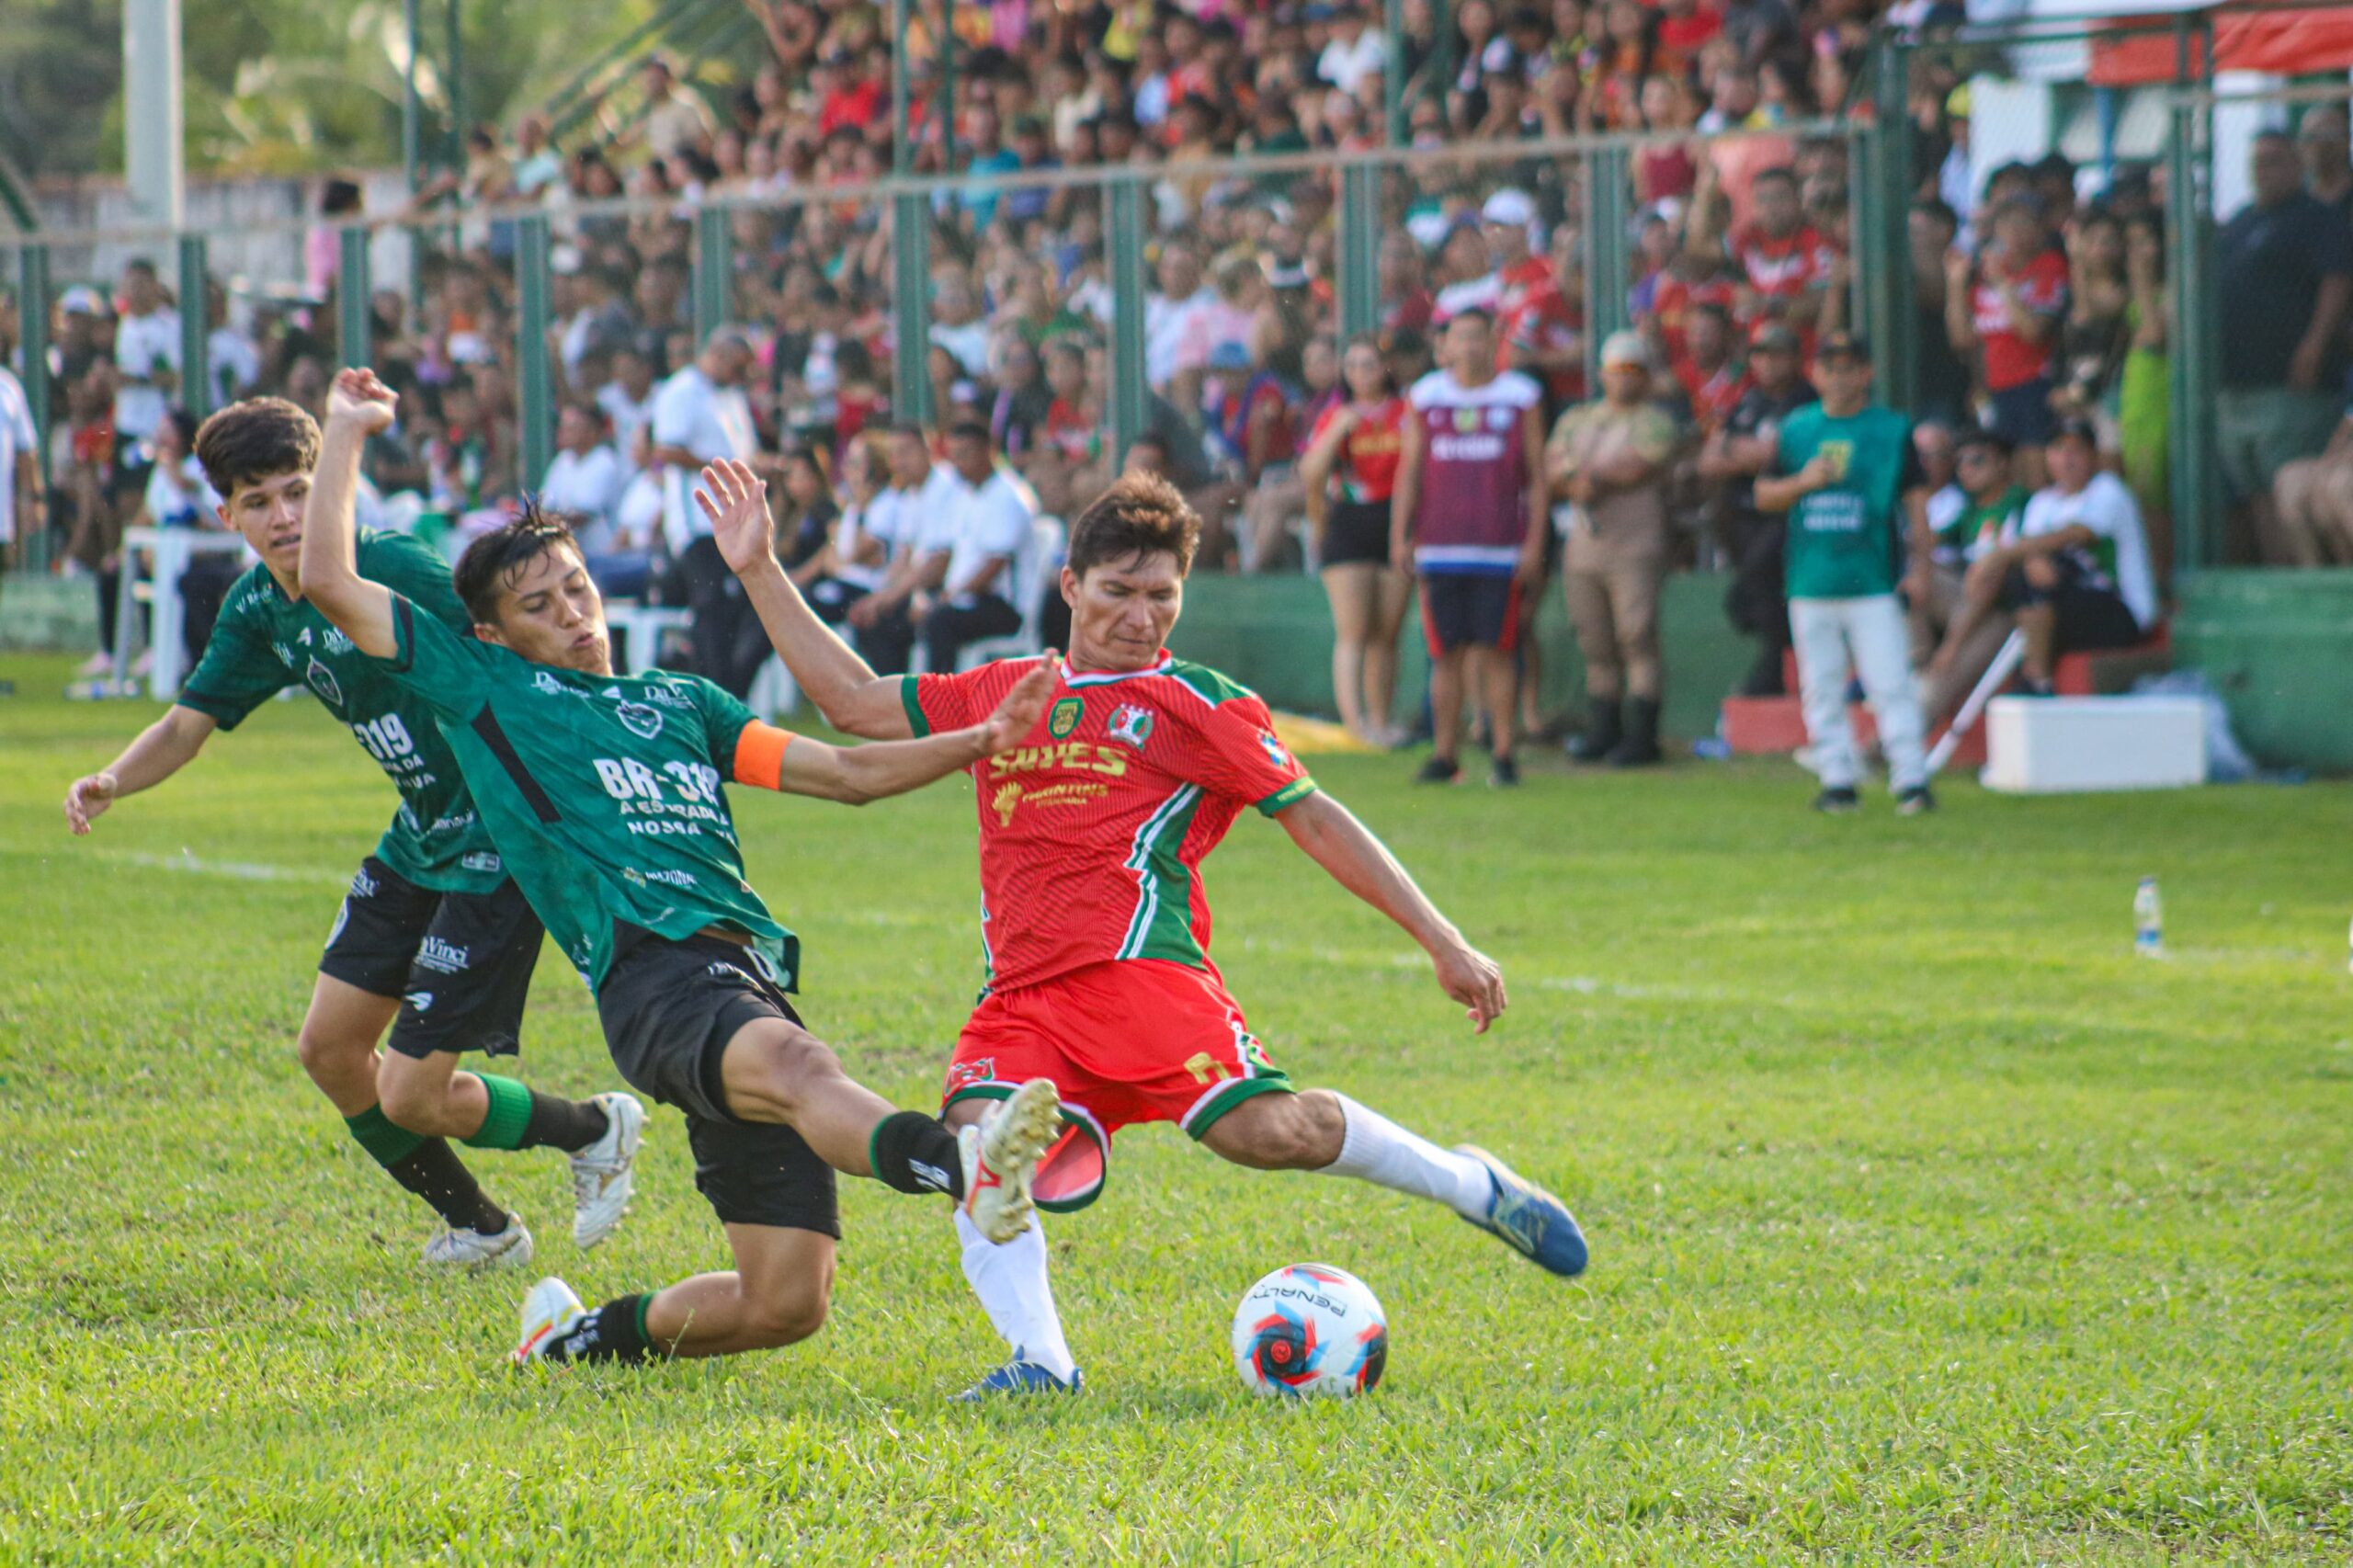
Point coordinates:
pixel 760 755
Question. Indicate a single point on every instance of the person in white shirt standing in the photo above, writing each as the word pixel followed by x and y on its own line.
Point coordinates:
pixel 147 366
pixel 20 487
pixel 2076 576
pixel 700 415
pixel 584 483
pixel 915 518
pixel 987 524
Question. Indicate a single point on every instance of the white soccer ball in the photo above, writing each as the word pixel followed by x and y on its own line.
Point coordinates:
pixel 1309 1329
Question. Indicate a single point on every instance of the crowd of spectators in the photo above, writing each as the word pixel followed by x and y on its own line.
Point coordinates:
pixel 2039 299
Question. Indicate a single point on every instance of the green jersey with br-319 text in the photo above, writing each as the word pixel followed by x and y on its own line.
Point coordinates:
pixel 602 792
pixel 265 641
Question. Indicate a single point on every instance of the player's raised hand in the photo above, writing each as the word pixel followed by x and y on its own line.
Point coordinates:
pixel 359 398
pixel 1019 712
pixel 736 501
pixel 1474 979
pixel 86 801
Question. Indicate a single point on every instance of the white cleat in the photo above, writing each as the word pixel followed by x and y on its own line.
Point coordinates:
pixel 510 1249
pixel 600 1173
pixel 548 1310
pixel 1001 1155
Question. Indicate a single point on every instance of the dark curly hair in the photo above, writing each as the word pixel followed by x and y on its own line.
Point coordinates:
pixel 254 442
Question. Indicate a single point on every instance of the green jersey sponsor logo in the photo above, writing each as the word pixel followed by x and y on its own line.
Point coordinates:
pixel 264 643
pixel 1065 717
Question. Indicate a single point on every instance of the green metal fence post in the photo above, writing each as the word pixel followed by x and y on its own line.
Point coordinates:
pixel 535 386
pixel 714 276
pixel 453 82
pixel 1884 152
pixel 32 334
pixel 1128 392
pixel 1393 72
pixel 196 327
pixel 1360 250
pixel 2188 230
pixel 351 302
pixel 911 306
pixel 902 153
pixel 1606 241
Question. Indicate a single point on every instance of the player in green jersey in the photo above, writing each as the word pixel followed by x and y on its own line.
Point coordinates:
pixel 603 794
pixel 433 941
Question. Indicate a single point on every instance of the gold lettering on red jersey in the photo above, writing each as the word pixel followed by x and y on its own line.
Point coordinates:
pixel 1082 755
pixel 1010 797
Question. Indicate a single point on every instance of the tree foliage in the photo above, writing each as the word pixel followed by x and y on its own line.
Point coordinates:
pixel 285 86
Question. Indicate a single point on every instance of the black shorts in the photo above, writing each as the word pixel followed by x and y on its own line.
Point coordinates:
pixel 2022 415
pixel 2086 618
pixel 1470 610
pixel 670 1008
pixel 460 962
pixel 1356 533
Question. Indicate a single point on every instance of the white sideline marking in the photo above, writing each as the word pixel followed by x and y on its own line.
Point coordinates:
pixel 236 870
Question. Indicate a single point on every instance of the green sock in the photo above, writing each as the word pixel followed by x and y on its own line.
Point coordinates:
pixel 386 1144
pixel 510 1113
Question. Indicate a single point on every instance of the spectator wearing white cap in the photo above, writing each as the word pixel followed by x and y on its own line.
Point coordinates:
pixel 1609 461
pixel 1538 331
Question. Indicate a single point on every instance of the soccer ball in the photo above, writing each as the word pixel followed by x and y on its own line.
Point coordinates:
pixel 1309 1329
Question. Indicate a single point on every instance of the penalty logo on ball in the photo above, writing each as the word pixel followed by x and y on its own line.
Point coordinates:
pixel 1309 1329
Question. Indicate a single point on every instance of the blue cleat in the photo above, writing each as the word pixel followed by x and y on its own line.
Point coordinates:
pixel 1019 1376
pixel 1536 1224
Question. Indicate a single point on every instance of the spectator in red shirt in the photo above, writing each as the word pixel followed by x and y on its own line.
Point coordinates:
pixel 1712 379
pixel 1683 28
pixel 1537 329
pixel 1785 263
pixel 1406 303
pixel 2007 309
pixel 1351 468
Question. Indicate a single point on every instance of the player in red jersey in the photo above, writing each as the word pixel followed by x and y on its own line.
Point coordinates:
pixel 1093 921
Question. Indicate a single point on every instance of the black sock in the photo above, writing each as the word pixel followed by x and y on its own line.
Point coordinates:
pixel 915 1153
pixel 559 1123
pixel 614 1332
pixel 434 1173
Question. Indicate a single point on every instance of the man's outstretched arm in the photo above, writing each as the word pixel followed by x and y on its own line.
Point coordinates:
pixel 842 686
pixel 855 775
pixel 1334 840
pixel 357 407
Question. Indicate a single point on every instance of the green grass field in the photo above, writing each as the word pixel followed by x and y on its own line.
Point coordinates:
pixel 1928 1223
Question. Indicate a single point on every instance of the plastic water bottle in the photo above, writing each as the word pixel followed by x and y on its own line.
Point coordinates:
pixel 2148 921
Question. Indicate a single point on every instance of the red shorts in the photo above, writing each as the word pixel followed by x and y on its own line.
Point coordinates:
pixel 1139 1040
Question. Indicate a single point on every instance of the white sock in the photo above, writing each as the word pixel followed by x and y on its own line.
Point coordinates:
pixel 1011 1282
pixel 1379 1151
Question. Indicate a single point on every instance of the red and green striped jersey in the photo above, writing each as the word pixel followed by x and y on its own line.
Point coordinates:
pixel 1093 830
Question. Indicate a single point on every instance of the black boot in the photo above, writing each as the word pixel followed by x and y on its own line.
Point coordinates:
pixel 1640 748
pixel 1602 731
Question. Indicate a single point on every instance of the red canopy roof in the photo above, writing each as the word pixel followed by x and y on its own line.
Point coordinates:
pixel 2286 43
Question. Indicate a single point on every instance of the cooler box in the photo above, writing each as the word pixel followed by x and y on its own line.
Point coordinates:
pixel 2049 744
